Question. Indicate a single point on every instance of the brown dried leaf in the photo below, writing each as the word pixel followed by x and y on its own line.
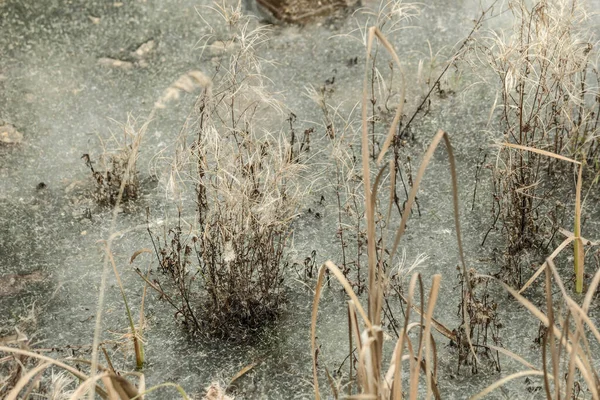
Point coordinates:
pixel 144 49
pixel 114 63
pixel 137 253
pixel 10 135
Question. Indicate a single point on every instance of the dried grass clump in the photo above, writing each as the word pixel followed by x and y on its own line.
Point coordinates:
pixel 226 269
pixel 248 206
pixel 549 80
pixel 117 166
pixel 550 101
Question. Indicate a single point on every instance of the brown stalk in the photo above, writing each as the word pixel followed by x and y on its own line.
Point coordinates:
pixel 578 245
pixel 549 337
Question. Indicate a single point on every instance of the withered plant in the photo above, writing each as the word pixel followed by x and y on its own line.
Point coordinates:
pixel 549 100
pixel 347 187
pixel 117 165
pixel 226 270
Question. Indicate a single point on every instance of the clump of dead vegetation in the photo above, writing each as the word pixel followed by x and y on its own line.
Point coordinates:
pixel 225 269
pixel 115 172
pixel 550 101
pixel 568 337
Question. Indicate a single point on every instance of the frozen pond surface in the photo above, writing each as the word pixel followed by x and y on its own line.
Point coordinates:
pixel 54 89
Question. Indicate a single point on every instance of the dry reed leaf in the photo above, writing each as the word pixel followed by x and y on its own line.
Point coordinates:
pixel 10 135
pixel 435 323
pixel 369 206
pixel 505 380
pixel 551 257
pixel 114 63
pixel 414 379
pixel 586 242
pixel 313 324
pixel 578 245
pixel 397 363
pixel 512 355
pixel 144 49
pixel 24 380
pixel 591 291
pixel 137 253
pixel 331 384
pixel 399 109
pixel 352 330
pixel 188 82
pixel 243 372
pixel 550 335
pixel 539 151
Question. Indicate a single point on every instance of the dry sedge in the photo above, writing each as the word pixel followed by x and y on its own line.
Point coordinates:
pixel 223 272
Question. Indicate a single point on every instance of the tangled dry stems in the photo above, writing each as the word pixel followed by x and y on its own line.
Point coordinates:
pixel 549 100
pixel 117 166
pixel 228 270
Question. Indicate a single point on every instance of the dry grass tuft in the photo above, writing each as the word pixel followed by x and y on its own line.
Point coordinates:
pixel 117 165
pixel 39 375
pixel 549 101
pixel 225 270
